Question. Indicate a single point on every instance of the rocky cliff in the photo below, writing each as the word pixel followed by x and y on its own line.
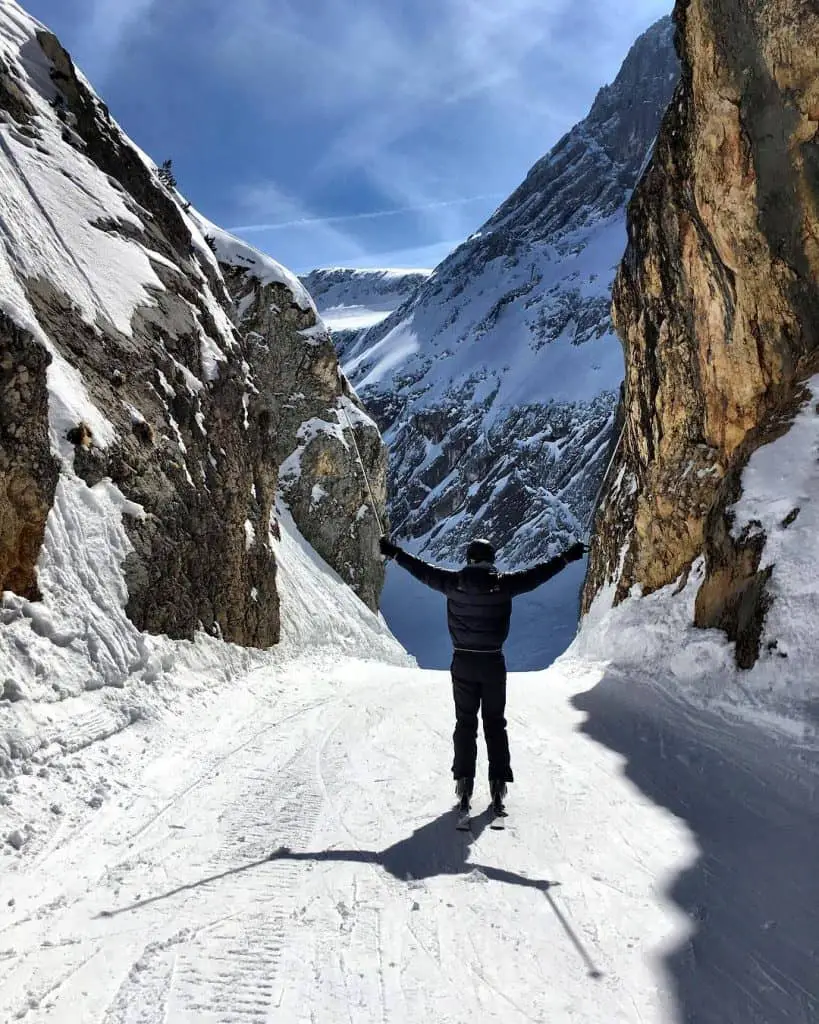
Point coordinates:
pixel 496 383
pixel 717 303
pixel 194 386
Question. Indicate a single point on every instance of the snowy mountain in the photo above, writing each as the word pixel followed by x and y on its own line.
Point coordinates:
pixel 197 832
pixel 165 409
pixel 496 383
pixel 351 301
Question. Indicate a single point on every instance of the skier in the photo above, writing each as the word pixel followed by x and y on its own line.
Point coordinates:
pixel 479 609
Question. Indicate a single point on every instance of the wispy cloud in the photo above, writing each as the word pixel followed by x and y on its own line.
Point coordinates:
pixel 266 203
pixel 391 85
pixel 300 222
pixel 103 31
pixel 371 111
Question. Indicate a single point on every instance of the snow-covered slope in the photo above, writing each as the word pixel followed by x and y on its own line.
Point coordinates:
pixel 289 855
pixel 354 300
pixel 496 383
pixel 150 392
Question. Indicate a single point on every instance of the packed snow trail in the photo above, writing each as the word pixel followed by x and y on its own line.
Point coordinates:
pixel 288 853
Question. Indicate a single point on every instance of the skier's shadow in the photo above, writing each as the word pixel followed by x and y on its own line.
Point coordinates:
pixel 437 849
pixel 434 849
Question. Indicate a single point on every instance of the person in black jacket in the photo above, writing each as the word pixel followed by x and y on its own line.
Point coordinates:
pixel 479 610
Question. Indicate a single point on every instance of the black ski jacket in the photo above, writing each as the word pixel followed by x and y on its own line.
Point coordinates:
pixel 479 598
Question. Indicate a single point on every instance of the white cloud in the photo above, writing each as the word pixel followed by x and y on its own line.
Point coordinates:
pixel 374 73
pixel 267 207
pixel 424 101
pixel 311 221
pixel 104 30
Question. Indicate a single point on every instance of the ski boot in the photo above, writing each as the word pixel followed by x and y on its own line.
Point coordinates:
pixel 497 790
pixel 463 791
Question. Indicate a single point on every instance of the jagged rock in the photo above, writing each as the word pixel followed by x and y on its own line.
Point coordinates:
pixel 196 381
pixel 28 470
pixel 314 429
pixel 496 383
pixel 717 303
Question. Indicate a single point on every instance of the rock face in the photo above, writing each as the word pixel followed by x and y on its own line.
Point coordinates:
pixel 496 384
pixel 131 353
pixel 28 470
pixel 318 433
pixel 717 305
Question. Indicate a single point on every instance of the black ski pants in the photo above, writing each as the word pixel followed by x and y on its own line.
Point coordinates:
pixel 479 685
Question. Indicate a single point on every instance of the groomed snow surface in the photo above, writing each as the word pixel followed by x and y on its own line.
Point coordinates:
pixel 283 850
pixel 271 837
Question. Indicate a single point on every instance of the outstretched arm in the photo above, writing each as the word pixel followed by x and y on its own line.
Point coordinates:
pixel 522 582
pixel 438 579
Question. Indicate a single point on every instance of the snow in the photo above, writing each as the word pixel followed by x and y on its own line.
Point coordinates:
pixel 52 231
pixel 349 299
pixel 352 318
pixel 289 869
pixel 281 846
pixel 193 832
pixel 69 403
pixel 236 253
pixel 224 835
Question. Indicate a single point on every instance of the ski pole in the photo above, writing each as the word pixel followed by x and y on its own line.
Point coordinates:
pixel 363 470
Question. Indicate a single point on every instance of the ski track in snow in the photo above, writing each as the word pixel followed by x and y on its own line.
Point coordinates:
pixel 168 908
pixel 291 856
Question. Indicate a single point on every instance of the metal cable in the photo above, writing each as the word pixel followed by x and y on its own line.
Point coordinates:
pixel 363 470
pixel 588 523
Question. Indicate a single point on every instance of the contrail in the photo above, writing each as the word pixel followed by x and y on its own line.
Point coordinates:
pixel 372 215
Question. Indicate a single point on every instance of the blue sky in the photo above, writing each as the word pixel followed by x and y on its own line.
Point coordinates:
pixel 365 133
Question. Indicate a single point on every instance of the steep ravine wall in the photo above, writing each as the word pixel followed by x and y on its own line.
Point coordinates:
pixel 201 388
pixel 717 305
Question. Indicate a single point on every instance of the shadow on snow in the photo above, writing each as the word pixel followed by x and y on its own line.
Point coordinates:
pixel 433 850
pixel 753 894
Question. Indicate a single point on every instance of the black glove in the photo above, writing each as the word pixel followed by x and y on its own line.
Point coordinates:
pixel 575 552
pixel 388 549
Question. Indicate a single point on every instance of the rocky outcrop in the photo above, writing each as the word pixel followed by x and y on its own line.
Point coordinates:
pixel 186 381
pixel 717 304
pixel 28 470
pixel 496 384
pixel 314 430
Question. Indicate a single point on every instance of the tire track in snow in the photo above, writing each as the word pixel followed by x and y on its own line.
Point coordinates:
pixel 231 973
pixel 221 761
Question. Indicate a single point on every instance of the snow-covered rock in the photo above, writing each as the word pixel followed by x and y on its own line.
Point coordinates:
pixel 496 383
pixel 351 301
pixel 151 390
pixel 717 304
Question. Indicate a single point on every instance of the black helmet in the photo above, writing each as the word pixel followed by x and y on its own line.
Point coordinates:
pixel 480 551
